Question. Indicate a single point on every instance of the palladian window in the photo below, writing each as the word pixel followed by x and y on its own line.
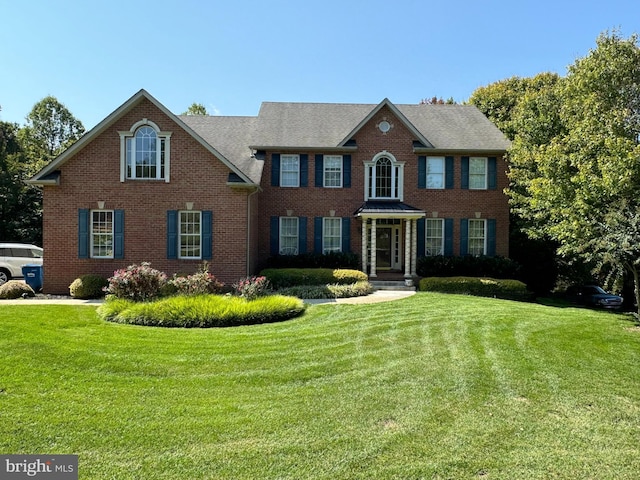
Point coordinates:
pixel 384 178
pixel 145 152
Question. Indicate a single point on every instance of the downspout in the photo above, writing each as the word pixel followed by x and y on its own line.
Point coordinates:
pixel 248 264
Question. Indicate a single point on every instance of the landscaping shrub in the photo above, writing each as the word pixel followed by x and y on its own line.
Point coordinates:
pixel 290 277
pixel 88 286
pixel 137 282
pixel 357 289
pixel 467 266
pixel 482 287
pixel 252 287
pixel 199 283
pixel 15 289
pixel 315 260
pixel 202 311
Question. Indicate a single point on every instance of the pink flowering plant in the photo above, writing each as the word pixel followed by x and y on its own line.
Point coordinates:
pixel 252 287
pixel 139 283
pixel 200 283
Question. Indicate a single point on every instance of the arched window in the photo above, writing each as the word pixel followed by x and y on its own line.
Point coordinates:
pixel 145 153
pixel 384 177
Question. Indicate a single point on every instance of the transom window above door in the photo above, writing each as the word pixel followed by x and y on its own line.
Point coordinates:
pixel 384 178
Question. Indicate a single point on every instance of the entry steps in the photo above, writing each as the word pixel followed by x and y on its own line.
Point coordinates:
pixel 399 285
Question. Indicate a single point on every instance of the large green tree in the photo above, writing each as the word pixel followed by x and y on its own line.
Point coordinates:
pixel 575 163
pixel 196 109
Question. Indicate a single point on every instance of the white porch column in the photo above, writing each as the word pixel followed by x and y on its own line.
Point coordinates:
pixel 414 248
pixel 407 248
pixel 364 245
pixel 373 248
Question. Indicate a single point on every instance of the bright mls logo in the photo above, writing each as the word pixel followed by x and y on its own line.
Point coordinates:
pixel 49 467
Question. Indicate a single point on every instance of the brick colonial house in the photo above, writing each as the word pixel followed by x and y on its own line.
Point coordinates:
pixel 388 182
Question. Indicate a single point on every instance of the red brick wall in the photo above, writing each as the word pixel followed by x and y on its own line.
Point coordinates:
pixel 312 201
pixel 93 175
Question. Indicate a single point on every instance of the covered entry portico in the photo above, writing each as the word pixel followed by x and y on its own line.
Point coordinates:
pixel 389 237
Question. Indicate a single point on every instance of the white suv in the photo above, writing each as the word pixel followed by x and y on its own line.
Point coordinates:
pixel 13 256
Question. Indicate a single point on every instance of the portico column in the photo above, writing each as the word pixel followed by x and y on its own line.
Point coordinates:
pixel 373 248
pixel 364 245
pixel 414 248
pixel 407 248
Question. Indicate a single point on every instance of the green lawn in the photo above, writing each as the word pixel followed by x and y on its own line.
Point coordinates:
pixel 434 386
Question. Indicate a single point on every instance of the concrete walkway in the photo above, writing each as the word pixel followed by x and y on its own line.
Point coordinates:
pixel 375 297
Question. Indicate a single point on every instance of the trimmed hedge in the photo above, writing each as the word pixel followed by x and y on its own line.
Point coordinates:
pixel 358 289
pixel 468 266
pixel 290 277
pixel 15 289
pixel 88 286
pixel 315 260
pixel 202 311
pixel 481 287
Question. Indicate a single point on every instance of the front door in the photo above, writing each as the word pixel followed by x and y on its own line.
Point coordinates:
pixel 388 247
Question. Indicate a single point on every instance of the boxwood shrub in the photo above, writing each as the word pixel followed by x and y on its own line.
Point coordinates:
pixel 482 287
pixel 468 266
pixel 357 289
pixel 88 286
pixel 15 289
pixel 202 311
pixel 290 277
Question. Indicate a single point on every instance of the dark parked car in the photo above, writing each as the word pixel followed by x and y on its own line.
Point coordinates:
pixel 594 296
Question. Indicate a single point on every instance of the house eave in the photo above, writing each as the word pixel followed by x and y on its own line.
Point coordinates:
pixel 458 151
pixel 288 148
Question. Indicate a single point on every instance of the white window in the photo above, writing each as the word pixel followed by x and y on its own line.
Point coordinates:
pixel 383 177
pixel 102 234
pixel 477 237
pixel 289 170
pixel 434 236
pixel 478 173
pixel 144 152
pixel 435 172
pixel 190 229
pixel 333 171
pixel 288 236
pixel 331 235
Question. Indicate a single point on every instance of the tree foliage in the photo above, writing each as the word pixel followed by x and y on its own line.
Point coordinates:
pixel 575 158
pixel 196 109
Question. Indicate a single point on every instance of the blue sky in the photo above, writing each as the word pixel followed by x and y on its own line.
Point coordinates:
pixel 232 55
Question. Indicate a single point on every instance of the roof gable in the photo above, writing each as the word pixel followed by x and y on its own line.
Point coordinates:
pixel 44 175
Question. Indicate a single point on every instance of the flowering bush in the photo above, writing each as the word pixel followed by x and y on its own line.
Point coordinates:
pixel 137 282
pixel 199 283
pixel 252 287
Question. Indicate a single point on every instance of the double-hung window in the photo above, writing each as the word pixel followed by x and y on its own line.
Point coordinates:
pixel 289 170
pixel 101 234
pixel 332 171
pixel 190 246
pixel 478 173
pixel 434 236
pixel 435 172
pixel 288 236
pixel 331 235
pixel 477 237
pixel 145 152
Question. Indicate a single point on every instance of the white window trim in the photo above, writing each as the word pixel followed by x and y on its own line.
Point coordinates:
pixel 484 231
pixel 180 234
pixel 486 173
pixel 444 171
pixel 280 246
pixel 282 157
pixel 324 171
pixel 324 236
pixel 160 135
pixel 426 237
pixel 397 172
pixel 92 234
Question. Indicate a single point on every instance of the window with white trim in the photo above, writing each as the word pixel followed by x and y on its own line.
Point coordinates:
pixel 332 171
pixel 384 178
pixel 101 234
pixel 190 233
pixel 331 234
pixel 288 236
pixel 435 172
pixel 290 170
pixel 478 173
pixel 477 237
pixel 145 152
pixel 434 236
